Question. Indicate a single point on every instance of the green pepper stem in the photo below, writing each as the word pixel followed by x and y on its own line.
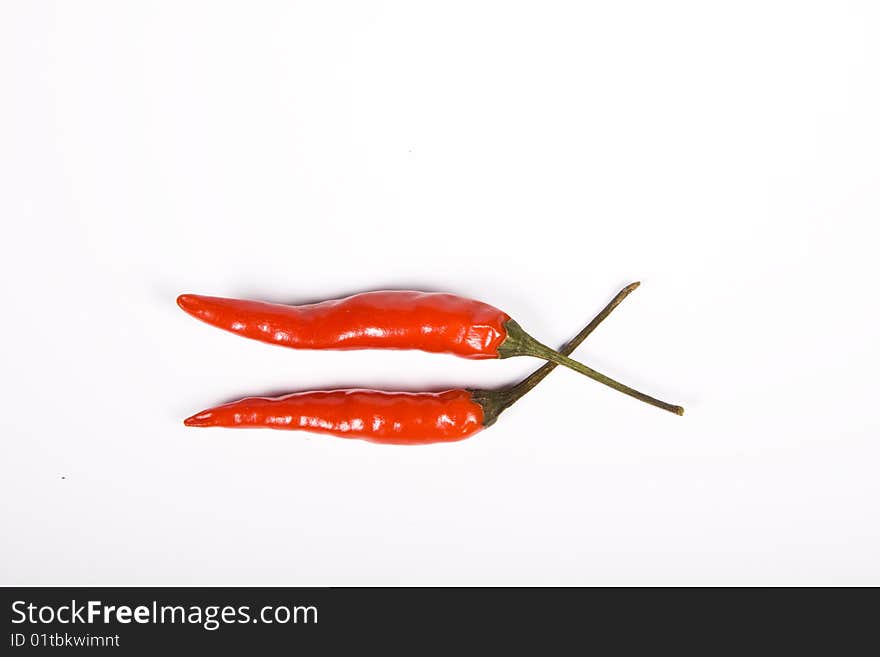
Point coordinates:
pixel 520 343
pixel 518 390
pixel 542 351
pixel 496 401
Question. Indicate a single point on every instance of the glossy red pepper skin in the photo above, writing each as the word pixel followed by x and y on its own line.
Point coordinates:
pixel 393 418
pixel 397 319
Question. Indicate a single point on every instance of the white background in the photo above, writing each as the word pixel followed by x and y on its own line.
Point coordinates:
pixel 537 156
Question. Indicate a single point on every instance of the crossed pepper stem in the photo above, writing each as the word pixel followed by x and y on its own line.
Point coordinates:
pixel 523 344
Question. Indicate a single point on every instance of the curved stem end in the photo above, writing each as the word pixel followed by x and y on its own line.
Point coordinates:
pixel 520 343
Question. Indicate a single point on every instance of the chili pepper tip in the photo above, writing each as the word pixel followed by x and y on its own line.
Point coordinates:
pixel 185 301
pixel 203 419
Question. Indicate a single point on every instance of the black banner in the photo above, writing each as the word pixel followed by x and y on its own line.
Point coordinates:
pixel 410 620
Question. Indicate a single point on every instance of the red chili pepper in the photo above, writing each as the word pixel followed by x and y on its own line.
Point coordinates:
pixel 441 323
pixel 397 319
pixel 399 418
pixel 402 418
